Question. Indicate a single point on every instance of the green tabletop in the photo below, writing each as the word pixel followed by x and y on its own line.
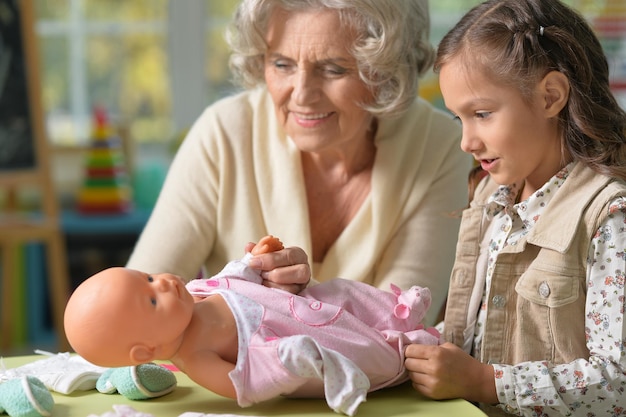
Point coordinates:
pixel 189 397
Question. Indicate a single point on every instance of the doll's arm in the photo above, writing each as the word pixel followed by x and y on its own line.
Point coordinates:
pixel 210 371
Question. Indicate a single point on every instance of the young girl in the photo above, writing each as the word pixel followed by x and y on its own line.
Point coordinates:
pixel 535 318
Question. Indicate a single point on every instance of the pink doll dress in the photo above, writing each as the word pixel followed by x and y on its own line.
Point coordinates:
pixel 339 339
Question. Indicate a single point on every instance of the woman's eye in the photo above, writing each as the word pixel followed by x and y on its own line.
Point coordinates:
pixel 333 70
pixel 281 65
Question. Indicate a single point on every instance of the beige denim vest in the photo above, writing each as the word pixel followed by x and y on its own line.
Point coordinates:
pixel 536 309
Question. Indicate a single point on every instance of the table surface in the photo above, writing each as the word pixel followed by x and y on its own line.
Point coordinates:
pixel 398 401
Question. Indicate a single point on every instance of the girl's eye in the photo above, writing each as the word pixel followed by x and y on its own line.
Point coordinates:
pixel 482 114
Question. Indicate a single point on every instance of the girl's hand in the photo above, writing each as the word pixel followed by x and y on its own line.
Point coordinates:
pixel 446 371
pixel 287 269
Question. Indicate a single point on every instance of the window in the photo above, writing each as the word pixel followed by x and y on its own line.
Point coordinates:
pixel 128 57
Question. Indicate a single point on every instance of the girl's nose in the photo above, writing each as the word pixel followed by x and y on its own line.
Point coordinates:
pixel 470 143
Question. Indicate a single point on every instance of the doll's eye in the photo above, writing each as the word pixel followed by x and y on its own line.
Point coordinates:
pixel 153 301
pixel 150 279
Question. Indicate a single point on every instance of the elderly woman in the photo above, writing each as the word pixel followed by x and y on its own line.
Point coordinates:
pixel 328 147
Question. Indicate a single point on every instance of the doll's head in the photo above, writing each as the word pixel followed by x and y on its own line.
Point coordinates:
pixel 121 317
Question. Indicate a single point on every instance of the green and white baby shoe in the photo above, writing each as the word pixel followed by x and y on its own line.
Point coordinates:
pixel 140 382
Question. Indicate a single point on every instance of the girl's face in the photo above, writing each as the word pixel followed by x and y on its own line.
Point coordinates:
pixel 314 82
pixel 512 139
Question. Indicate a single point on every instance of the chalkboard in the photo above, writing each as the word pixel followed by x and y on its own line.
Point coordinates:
pixel 18 143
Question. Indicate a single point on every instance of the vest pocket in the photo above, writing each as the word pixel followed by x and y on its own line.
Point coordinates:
pixel 549 317
pixel 548 288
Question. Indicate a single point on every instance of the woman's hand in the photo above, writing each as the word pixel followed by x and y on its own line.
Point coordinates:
pixel 446 371
pixel 287 269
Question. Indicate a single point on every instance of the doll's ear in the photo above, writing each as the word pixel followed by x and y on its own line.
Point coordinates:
pixel 141 354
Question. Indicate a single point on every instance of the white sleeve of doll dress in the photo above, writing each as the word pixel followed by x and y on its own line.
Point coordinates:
pixel 234 270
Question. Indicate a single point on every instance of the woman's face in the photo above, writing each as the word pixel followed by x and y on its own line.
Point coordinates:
pixel 313 80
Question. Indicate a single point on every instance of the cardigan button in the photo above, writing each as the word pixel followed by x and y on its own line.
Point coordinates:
pixel 498 301
pixel 544 289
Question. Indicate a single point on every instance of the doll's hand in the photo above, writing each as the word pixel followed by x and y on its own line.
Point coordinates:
pixel 446 371
pixel 267 244
pixel 287 269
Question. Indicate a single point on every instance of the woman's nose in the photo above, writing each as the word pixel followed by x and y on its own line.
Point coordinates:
pixel 305 88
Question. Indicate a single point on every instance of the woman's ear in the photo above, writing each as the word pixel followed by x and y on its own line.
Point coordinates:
pixel 141 354
pixel 554 92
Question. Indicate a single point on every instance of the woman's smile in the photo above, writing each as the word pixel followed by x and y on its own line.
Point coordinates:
pixel 311 119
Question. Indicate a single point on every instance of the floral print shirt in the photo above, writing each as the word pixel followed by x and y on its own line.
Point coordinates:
pixel 587 387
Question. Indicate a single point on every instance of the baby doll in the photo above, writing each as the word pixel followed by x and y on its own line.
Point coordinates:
pixel 339 339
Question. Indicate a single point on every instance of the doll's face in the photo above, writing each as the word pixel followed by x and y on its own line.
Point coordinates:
pixel 120 308
pixel 160 302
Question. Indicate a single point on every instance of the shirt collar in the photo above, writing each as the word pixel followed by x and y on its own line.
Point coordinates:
pixel 530 209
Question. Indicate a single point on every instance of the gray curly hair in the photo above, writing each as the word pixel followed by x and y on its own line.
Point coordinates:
pixel 392 48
